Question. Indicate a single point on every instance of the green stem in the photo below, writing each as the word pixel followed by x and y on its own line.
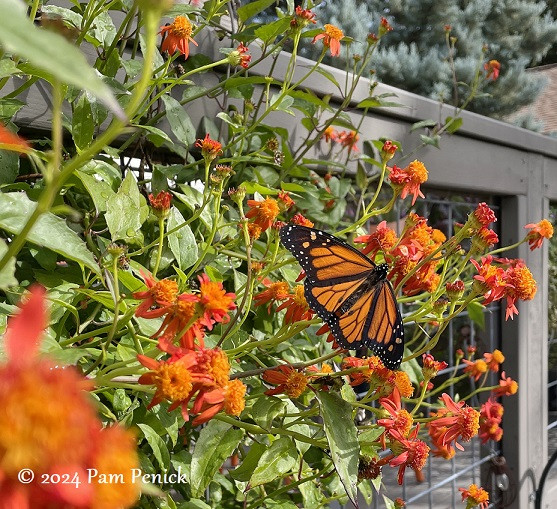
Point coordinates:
pixel 161 243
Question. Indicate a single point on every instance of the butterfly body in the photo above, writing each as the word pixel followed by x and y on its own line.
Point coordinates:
pixel 349 292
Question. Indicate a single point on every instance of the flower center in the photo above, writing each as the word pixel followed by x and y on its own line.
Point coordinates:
pixel 181 27
pixel 174 381
pixel 334 32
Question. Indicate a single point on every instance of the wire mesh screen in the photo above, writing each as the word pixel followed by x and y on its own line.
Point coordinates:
pixel 437 485
pixel 552 339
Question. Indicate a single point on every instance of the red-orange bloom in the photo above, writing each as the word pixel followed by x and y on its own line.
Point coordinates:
pixel 475 368
pixel 483 216
pixel 161 201
pixel 284 200
pixel 181 313
pixel 492 69
pixel 410 452
pixel 178 36
pixel 13 142
pixel 383 239
pixel 455 290
pixel 274 292
pixel 475 496
pixel 263 212
pixel 400 420
pixel 301 220
pixel 520 285
pixel 491 414
pixel 538 232
pixel 216 302
pixel 48 425
pixel 159 293
pixel 331 36
pixel 349 139
pixel 484 238
pixel 296 306
pixel 210 149
pixel 507 386
pixel 388 150
pixel 409 179
pixel 494 360
pixel 288 380
pixel 302 17
pixel 431 367
pixel 490 279
pixel 330 134
pixel 456 420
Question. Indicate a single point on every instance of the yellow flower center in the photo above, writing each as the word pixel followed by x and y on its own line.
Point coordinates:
pixel 498 356
pixel 165 291
pixel 181 27
pixel 480 366
pixel 234 401
pixel 299 297
pixel 417 171
pixel 220 367
pixel 269 209
pixel 334 32
pixel 469 423
pixel 214 296
pixel 296 384
pixel 402 382
pixel 546 228
pixel 403 422
pixel 524 283
pixel 279 290
pixel 174 381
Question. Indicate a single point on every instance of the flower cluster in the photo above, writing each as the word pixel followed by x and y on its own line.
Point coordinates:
pixel 348 139
pixel 48 425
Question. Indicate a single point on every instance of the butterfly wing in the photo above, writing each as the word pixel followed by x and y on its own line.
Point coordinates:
pixel 337 273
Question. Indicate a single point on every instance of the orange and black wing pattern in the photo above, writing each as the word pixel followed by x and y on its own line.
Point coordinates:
pixel 348 292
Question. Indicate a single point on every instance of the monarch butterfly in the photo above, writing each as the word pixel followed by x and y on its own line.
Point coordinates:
pixel 348 292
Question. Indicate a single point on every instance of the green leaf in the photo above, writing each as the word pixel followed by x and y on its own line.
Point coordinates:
pixel 49 231
pixel 9 166
pixel 99 190
pixel 378 102
pixel 269 31
pixel 50 52
pixel 476 313
pixel 249 10
pixel 9 107
pixel 7 277
pixel 182 243
pixel 8 67
pixel 430 140
pixel 83 126
pixel 453 124
pixel 343 440
pixel 423 123
pixel 276 461
pixel 216 442
pixel 266 409
pixel 245 470
pixel 124 215
pixel 194 504
pixel 155 135
pixel 179 121
pixel 158 446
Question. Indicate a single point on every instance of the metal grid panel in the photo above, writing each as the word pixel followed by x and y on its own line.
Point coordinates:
pixel 552 340
pixel 439 487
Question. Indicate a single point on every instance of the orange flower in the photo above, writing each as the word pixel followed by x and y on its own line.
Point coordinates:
pixel 384 239
pixel 348 139
pixel 520 285
pixel 215 302
pixel 476 369
pixel 177 36
pixel 489 280
pixel 482 216
pixel 302 18
pixel 210 149
pixel 275 292
pixel 455 290
pixel 456 420
pixel 409 452
pixel 491 414
pixel 409 179
pixel 492 69
pixel 161 202
pixel 538 232
pixel 330 134
pixel 484 238
pixel 507 386
pixel 11 141
pixel 494 360
pixel 400 420
pixel 296 306
pixel 182 311
pixel 114 455
pixel 254 231
pixel 288 380
pixel 264 212
pixel 331 36
pixel 374 371
pixel 160 293
pixel 388 150
pixel 47 424
pixel 301 220
pixel 285 202
pixel 475 497
pixel 431 367
pixel 234 401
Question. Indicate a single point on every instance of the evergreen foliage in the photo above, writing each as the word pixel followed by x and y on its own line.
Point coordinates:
pixel 415 55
